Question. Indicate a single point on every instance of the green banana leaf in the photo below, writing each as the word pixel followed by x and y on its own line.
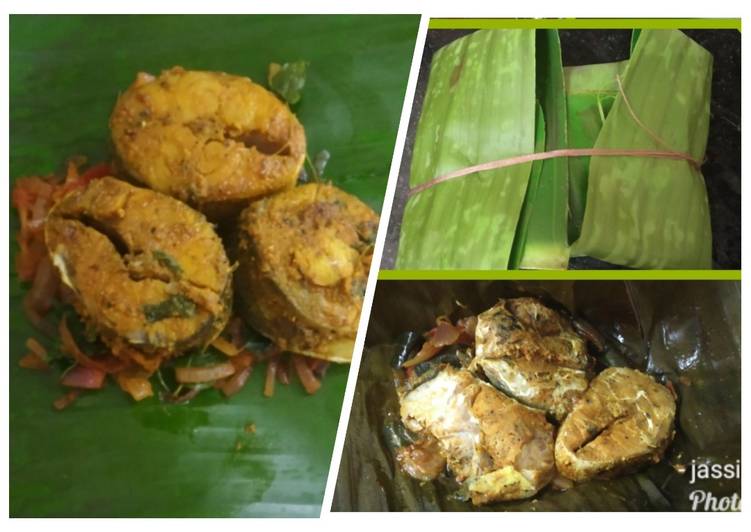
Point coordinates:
pixel 590 92
pixel 479 106
pixel 520 239
pixel 648 212
pixel 685 331
pixel 634 38
pixel 546 240
pixel 105 455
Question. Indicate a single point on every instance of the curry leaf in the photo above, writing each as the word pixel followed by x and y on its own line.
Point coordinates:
pixel 176 306
pixel 288 80
pixel 168 261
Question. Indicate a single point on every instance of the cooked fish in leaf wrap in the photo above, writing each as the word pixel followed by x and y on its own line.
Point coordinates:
pixel 623 420
pixel 304 257
pixel 211 139
pixel 498 448
pixel 532 353
pixel 147 271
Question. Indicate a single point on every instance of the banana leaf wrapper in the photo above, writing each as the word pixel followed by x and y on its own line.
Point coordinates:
pixel 479 106
pixel 527 212
pixel 590 93
pixel 647 212
pixel 542 226
pixel 687 332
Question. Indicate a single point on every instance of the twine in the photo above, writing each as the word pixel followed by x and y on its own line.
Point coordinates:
pixel 567 152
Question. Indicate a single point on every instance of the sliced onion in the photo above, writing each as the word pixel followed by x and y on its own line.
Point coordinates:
pixel 282 371
pixel 32 197
pixel 242 361
pixel 34 346
pixel 428 351
pixel 226 347
pixel 44 288
pixel 309 381
pixel 36 319
pixel 148 363
pixel 193 375
pixel 468 326
pixel 445 334
pixel 83 377
pixel 69 346
pixel 33 361
pixel 40 297
pixel 232 385
pixel 66 400
pixel 319 367
pixel 268 387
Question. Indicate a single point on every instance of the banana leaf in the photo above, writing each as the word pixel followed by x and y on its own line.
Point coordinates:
pixel 520 239
pixel 105 455
pixel 687 332
pixel 634 38
pixel 546 240
pixel 648 212
pixel 479 106
pixel 590 92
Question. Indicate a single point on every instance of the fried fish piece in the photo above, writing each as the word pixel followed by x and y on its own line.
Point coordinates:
pixel 304 257
pixel 148 272
pixel 533 354
pixel 498 448
pixel 213 140
pixel 623 420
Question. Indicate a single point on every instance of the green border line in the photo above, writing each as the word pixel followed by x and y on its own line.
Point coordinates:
pixel 546 275
pixel 585 23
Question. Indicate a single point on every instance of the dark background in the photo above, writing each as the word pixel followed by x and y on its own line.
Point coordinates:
pixel 722 169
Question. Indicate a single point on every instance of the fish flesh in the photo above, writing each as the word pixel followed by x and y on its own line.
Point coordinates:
pixel 533 354
pixel 496 447
pixel 623 420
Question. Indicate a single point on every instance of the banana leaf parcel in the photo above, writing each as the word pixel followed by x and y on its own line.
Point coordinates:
pixel 648 212
pixel 541 241
pixel 687 332
pixel 633 210
pixel 590 92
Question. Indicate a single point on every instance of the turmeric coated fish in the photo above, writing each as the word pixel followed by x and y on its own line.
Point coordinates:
pixel 623 420
pixel 496 447
pixel 533 354
pixel 213 140
pixel 303 261
pixel 148 272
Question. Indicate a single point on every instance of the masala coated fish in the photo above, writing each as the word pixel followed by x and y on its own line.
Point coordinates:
pixel 496 447
pixel 213 140
pixel 148 273
pixel 533 354
pixel 304 257
pixel 624 419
